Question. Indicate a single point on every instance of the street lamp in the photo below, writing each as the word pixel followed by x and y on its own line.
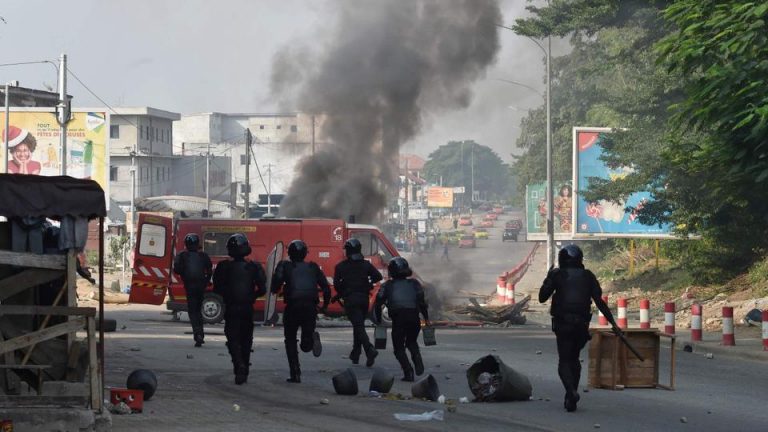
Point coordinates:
pixel 548 100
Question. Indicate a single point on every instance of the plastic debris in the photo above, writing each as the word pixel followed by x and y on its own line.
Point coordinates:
pixel 425 416
pixel 596 425
pixel 441 399
pixel 190 356
pixel 374 394
pixel 538 352
pixel 236 407
pixel 709 356
pixel 120 408
pixel 451 408
pixel 688 347
pixel 487 384
pixel 463 399
pixel 324 401
pixel 683 419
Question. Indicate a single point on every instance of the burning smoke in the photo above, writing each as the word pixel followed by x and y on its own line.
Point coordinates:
pixel 387 63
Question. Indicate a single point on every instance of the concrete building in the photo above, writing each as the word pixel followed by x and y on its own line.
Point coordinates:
pixel 279 142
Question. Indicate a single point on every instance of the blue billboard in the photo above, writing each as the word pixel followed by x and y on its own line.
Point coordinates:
pixel 604 218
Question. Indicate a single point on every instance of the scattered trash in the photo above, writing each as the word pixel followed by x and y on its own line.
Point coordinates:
pixel 709 356
pixel 425 416
pixel 394 396
pixel 451 408
pixel 441 399
pixel 586 390
pixel 119 409
pixel 374 394
pixel 123 328
pixel 190 356
pixel 135 349
pixel 381 381
pixel 709 412
pixel 538 352
pixel 490 379
pixel 142 379
pixel 546 399
pixel 447 377
pixel 274 349
pixel 236 407
pixel 463 399
pixel 688 347
pixel 596 425
pixel 345 383
pixel 683 420
pixel 324 401
pixel 426 389
pixel 345 357
pixel 754 318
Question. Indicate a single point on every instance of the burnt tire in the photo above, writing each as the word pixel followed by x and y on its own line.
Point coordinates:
pixel 110 325
pixel 142 379
pixel 212 308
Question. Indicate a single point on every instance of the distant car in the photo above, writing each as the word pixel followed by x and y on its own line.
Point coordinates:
pixel 467 241
pixel 507 208
pixel 465 221
pixel 498 210
pixel 481 234
pixel 484 207
pixel 514 224
pixel 510 234
pixel 491 216
pixel 486 224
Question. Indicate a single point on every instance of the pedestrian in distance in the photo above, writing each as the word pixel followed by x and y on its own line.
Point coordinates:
pixel 300 282
pixel 354 279
pixel 404 299
pixel 195 268
pixel 445 256
pixel 239 281
pixel 573 288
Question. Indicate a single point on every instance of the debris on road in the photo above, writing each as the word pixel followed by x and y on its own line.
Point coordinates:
pixel 119 408
pixel 464 400
pixel 490 379
pixel 538 352
pixel 190 356
pixel 509 314
pixel 709 356
pixel 425 416
pixel 426 389
pixel 236 407
pixel 688 347
pixel 135 349
pixel 683 419
pixel 324 401
pixel 596 426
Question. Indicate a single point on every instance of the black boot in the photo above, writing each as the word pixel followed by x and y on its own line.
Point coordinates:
pixel 418 363
pixel 355 355
pixel 293 362
pixel 198 340
pixel 370 354
pixel 317 347
pixel 241 374
pixel 405 365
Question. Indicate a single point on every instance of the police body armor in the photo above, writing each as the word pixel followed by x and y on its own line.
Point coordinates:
pixel 194 272
pixel 356 280
pixel 403 295
pixel 302 284
pixel 242 283
pixel 572 300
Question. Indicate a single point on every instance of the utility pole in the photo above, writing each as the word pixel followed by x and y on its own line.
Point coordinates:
pixel 7 124
pixel 472 167
pixel 63 112
pixel 132 232
pixel 248 139
pixel 269 188
pixel 405 209
pixel 550 191
pixel 208 179
pixel 313 134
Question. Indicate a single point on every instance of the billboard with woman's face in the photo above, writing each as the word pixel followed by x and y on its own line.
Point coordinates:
pixel 34 146
pixel 605 218
pixel 536 211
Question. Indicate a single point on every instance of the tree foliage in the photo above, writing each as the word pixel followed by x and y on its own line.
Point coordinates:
pixel 453 162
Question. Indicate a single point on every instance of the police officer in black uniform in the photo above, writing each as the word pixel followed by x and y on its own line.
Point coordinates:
pixel 573 289
pixel 195 269
pixel 404 299
pixel 300 281
pixel 353 279
pixel 239 282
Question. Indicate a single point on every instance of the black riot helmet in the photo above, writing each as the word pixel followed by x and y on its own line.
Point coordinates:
pixel 353 248
pixel 297 251
pixel 398 268
pixel 238 246
pixel 192 242
pixel 570 256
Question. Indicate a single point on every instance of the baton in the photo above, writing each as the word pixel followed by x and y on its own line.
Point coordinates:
pixel 623 338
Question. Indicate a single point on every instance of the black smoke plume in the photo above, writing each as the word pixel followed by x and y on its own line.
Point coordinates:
pixel 387 62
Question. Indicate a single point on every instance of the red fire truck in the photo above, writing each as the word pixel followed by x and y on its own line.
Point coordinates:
pixel 158 239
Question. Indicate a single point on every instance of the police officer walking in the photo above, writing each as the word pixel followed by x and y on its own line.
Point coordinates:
pixel 573 289
pixel 300 281
pixel 353 279
pixel 195 268
pixel 239 282
pixel 404 299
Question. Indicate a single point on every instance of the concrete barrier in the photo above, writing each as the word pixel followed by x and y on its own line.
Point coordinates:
pixel 669 318
pixel 728 337
pixel 622 312
pixel 645 315
pixel 696 333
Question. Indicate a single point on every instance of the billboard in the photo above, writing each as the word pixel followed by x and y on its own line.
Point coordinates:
pixel 440 197
pixel 536 211
pixel 603 218
pixel 34 147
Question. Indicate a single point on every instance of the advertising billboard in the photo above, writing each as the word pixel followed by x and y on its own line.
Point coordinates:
pixel 34 147
pixel 440 197
pixel 536 211
pixel 604 218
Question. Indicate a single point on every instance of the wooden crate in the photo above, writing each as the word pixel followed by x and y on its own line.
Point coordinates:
pixel 613 366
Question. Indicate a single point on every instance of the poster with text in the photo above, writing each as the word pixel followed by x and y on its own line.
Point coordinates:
pixel 605 218
pixel 34 145
pixel 536 211
pixel 440 197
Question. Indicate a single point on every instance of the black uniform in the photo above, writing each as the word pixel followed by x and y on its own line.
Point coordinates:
pixel 239 282
pixel 195 269
pixel 300 293
pixel 354 279
pixel 404 299
pixel 572 288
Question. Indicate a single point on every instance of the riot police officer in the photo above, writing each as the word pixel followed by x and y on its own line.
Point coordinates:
pixel 573 289
pixel 300 281
pixel 404 299
pixel 353 279
pixel 195 268
pixel 239 282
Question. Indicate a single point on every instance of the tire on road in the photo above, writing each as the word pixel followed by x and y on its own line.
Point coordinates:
pixel 212 308
pixel 110 325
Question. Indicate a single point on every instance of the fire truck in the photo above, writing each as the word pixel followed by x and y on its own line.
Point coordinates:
pixel 160 238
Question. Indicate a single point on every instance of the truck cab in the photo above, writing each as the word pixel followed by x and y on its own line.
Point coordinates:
pixel 160 238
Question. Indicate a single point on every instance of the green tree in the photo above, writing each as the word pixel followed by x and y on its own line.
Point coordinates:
pixel 454 162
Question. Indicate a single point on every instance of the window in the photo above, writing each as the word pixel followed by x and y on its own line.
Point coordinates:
pixel 369 244
pixel 279 127
pixel 141 132
pixel 243 160
pixel 294 128
pixel 215 244
pixel 152 241
pixel 113 173
pixel 244 188
pixel 147 132
pixel 114 131
pixel 157 174
pixel 261 127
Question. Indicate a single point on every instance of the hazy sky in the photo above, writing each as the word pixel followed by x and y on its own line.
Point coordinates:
pixel 193 56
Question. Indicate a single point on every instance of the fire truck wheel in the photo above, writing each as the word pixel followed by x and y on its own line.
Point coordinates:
pixel 212 308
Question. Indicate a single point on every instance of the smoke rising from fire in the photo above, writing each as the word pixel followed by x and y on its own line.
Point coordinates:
pixel 386 63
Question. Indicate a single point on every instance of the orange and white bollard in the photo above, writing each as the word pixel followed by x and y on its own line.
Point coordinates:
pixel 622 312
pixel 645 315
pixel 728 337
pixel 765 330
pixel 601 319
pixel 510 294
pixel 669 318
pixel 501 288
pixel 696 322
